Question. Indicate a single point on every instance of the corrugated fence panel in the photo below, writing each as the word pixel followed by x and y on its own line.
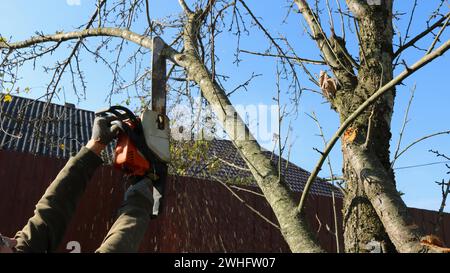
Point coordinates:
pixel 198 215
pixel 429 220
pixel 446 230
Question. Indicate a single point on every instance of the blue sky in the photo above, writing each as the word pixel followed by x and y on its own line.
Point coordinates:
pixel 429 112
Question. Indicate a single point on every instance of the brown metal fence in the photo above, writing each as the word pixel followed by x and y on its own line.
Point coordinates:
pixel 198 215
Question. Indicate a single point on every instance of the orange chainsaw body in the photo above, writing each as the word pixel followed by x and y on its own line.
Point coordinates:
pixel 127 156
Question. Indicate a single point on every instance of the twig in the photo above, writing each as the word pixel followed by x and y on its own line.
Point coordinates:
pixel 417 141
pixel 360 42
pixel 271 39
pixel 405 121
pixel 369 128
pixel 333 197
pixel 421 35
pixel 319 35
pixel 246 190
pixel 410 19
pixel 330 14
pixel 303 60
pixel 439 154
pixel 436 39
pixel 338 3
pixel 231 164
pixel 445 190
pixel 245 203
pixel 245 84
pixel 147 13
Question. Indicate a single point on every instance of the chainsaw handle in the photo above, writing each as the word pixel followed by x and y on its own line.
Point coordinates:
pixel 120 125
pixel 115 111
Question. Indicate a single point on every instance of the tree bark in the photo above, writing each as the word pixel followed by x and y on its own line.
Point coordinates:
pixel 373 209
pixel 380 190
pixel 362 226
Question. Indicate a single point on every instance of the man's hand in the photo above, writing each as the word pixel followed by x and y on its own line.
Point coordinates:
pixel 7 244
pixel 103 131
pixel 102 134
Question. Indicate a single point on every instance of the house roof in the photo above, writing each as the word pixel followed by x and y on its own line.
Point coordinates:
pixel 48 129
pixel 232 167
pixel 41 128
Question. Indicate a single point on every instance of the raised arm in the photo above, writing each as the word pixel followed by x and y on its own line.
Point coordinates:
pixel 46 228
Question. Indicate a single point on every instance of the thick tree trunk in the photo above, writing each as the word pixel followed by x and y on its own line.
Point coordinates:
pixel 362 227
pixel 361 222
pixel 385 199
pixel 373 208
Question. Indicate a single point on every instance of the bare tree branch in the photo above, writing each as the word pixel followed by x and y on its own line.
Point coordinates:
pixel 185 7
pixel 405 121
pixel 333 197
pixel 245 203
pixel 292 224
pixel 436 39
pixel 421 35
pixel 61 37
pixel 417 141
pixel 344 73
pixel 301 60
pixel 147 13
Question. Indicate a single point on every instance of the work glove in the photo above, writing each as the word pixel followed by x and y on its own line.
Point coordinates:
pixel 104 130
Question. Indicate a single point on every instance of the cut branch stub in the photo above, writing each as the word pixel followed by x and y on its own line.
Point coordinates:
pixel 328 85
pixel 350 135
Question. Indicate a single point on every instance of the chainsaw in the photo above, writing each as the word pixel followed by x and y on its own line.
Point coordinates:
pixel 142 148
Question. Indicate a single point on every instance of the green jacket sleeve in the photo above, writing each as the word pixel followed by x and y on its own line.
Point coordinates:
pixel 132 222
pixel 45 230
